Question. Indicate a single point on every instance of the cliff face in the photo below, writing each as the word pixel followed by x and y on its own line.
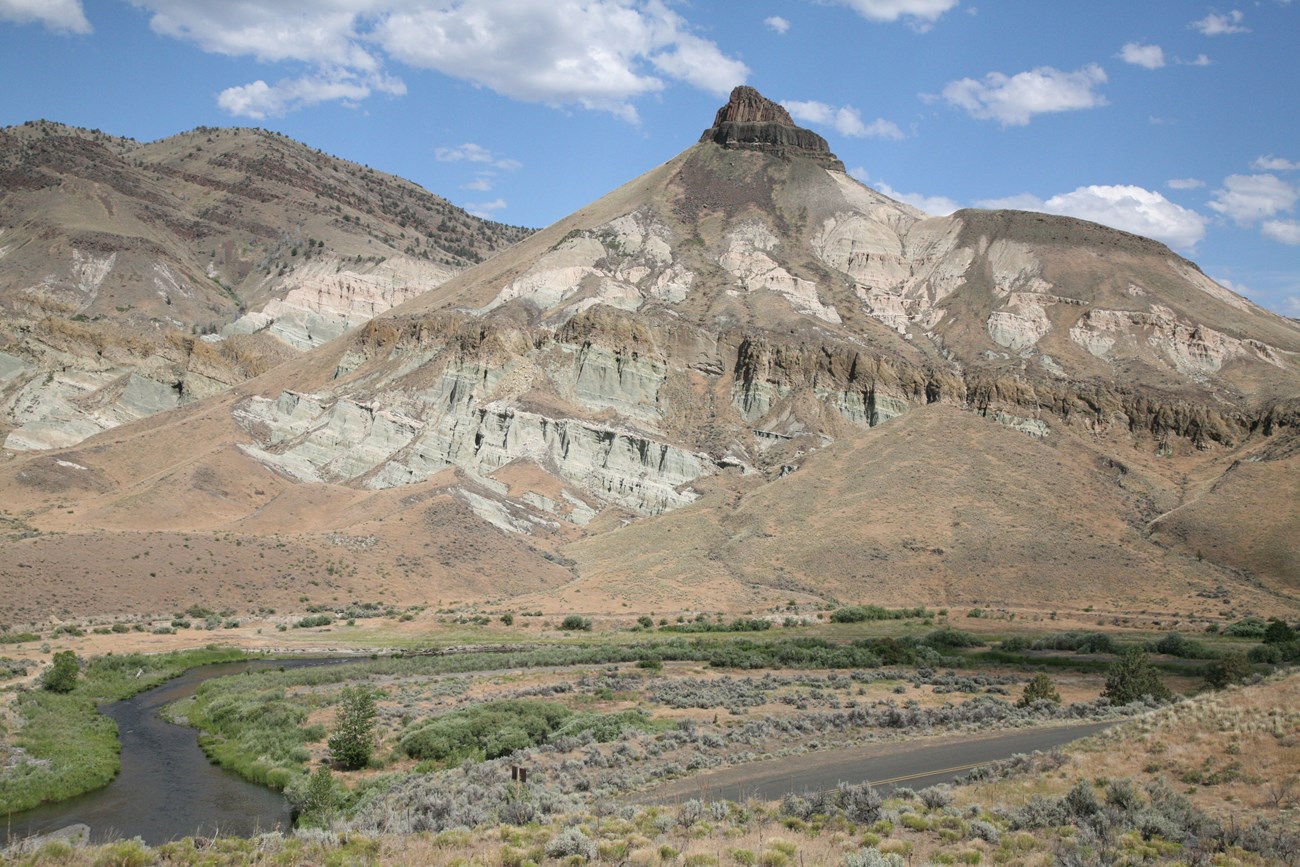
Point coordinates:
pixel 751 121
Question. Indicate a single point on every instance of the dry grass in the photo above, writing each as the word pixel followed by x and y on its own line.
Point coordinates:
pixel 1234 753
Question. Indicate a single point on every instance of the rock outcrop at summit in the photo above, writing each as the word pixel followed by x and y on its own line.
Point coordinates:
pixel 751 121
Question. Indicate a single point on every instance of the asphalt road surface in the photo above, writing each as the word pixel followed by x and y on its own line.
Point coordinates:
pixel 914 763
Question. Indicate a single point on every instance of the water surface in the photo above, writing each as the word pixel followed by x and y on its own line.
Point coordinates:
pixel 167 788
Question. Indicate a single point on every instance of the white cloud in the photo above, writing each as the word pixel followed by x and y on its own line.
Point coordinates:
pixel 1220 25
pixel 777 24
pixel 1248 199
pixel 260 100
pixel 303 30
pixel 846 120
pixel 1121 206
pixel 922 12
pixel 1271 163
pixel 938 206
pixel 481 183
pixel 61 16
pixel 1013 100
pixel 1282 231
pixel 1148 56
pixel 486 209
pixel 474 153
pixel 1184 183
pixel 599 54
pixel 1200 60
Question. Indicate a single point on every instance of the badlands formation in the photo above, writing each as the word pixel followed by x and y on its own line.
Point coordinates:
pixel 138 277
pixel 739 379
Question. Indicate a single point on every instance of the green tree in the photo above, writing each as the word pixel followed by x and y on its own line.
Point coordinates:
pixel 1278 632
pixel 1231 669
pixel 1040 688
pixel 62 675
pixel 1132 677
pixel 354 729
pixel 319 801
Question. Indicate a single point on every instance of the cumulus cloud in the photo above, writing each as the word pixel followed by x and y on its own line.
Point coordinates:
pixel 1249 199
pixel 1282 231
pixel 1121 206
pixel 777 24
pixel 1148 56
pixel 60 16
pixel 482 183
pixel 1184 183
pixel 938 206
pixel 1013 100
pixel 1271 163
pixel 260 100
pixel 474 153
pixel 1221 25
pixel 921 12
pixel 486 209
pixel 846 120
pixel 1199 60
pixel 599 54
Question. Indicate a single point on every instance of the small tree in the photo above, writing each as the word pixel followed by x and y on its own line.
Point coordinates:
pixel 1231 669
pixel 353 738
pixel 62 675
pixel 1278 632
pixel 1041 688
pixel 319 801
pixel 1132 677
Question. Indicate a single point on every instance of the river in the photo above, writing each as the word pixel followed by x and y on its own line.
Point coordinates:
pixel 167 788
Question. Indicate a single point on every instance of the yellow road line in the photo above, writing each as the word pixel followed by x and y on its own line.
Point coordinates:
pixel 919 776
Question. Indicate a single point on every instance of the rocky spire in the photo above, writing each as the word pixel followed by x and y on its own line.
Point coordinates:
pixel 751 121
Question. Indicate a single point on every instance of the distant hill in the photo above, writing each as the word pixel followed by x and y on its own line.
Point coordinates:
pixel 117 257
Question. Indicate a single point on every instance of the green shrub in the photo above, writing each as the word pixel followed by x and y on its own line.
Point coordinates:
pixel 1247 627
pixel 1230 669
pixel 1041 688
pixel 950 637
pixel 62 675
pixel 1279 632
pixel 485 731
pixel 576 623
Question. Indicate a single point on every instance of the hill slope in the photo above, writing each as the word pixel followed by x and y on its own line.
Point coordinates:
pixel 115 256
pixel 743 377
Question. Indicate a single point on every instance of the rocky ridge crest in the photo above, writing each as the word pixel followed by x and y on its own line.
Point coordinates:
pixel 751 121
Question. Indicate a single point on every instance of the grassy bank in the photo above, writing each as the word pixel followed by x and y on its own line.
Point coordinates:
pixel 67 746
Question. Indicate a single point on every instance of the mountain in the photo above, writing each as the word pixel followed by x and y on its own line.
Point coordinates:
pixel 123 263
pixel 739 379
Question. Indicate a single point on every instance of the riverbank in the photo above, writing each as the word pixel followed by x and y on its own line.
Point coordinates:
pixel 64 746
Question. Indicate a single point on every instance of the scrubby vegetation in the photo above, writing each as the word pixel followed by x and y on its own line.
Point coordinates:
pixel 597 719
pixel 67 746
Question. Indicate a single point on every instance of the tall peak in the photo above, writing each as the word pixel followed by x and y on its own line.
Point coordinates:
pixel 751 121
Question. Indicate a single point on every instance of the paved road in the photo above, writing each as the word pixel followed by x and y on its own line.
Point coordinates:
pixel 916 763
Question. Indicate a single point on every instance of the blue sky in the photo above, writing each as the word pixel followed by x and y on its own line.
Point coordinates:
pixel 1177 120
